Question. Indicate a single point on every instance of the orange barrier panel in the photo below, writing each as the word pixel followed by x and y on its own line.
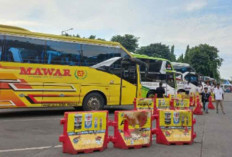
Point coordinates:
pixel 144 103
pixel 132 129
pixel 84 131
pixel 175 127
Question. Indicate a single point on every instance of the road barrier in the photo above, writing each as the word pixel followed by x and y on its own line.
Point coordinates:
pixel 163 103
pixel 144 104
pixel 175 127
pixel 181 103
pixel 132 129
pixel 84 131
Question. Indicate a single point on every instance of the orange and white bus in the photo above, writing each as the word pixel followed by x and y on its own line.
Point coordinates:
pixel 43 70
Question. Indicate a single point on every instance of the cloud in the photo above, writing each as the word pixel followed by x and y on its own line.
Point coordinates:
pixel 195 5
pixel 173 23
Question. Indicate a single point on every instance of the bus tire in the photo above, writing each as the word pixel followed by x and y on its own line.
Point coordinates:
pixel 93 101
pixel 151 94
pixel 181 91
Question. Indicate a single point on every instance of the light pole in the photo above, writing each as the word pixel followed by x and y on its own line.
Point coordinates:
pixel 65 31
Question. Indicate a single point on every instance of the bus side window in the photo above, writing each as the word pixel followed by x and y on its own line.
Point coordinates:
pixel 15 53
pixel 24 50
pixel 94 54
pixel 62 53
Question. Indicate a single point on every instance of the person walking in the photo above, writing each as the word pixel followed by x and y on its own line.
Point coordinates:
pixel 219 97
pixel 187 88
pixel 160 91
pixel 205 99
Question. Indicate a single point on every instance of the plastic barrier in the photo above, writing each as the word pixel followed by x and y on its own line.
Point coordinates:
pixel 210 105
pixel 144 103
pixel 132 129
pixel 175 127
pixel 181 103
pixel 84 131
pixel 163 103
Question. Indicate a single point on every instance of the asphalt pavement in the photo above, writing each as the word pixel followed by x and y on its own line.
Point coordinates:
pixel 35 133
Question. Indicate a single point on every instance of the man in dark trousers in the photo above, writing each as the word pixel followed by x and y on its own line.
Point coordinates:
pixel 205 99
pixel 160 91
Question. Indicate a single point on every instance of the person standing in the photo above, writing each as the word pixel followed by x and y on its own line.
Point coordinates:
pixel 187 88
pixel 160 90
pixel 199 89
pixel 205 99
pixel 219 97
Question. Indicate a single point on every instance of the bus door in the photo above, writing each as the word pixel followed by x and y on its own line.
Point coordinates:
pixel 128 82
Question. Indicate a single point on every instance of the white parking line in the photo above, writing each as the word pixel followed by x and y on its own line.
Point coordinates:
pixel 26 149
pixel 25 120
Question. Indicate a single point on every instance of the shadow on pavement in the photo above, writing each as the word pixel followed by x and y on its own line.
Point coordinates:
pixel 46 112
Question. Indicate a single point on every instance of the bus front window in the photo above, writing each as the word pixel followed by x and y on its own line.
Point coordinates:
pixel 170 79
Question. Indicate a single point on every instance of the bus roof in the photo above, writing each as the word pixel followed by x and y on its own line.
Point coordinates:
pixel 13 30
pixel 179 64
pixel 153 58
pixel 147 57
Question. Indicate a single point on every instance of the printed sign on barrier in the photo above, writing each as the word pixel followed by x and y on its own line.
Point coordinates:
pixel 144 103
pixel 181 103
pixel 176 125
pixel 85 131
pixel 133 128
pixel 162 103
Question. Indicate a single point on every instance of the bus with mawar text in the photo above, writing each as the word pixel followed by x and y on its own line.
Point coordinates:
pixel 44 70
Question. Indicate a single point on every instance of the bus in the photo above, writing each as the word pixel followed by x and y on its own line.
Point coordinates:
pixel 44 70
pixel 185 73
pixel 158 70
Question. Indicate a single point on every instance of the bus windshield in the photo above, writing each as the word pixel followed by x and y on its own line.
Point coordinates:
pixel 157 72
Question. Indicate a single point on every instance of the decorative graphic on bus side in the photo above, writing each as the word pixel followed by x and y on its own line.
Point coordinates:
pixel 81 74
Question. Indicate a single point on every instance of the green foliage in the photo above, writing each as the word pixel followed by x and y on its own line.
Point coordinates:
pixel 173 56
pixel 205 60
pixel 157 50
pixel 181 58
pixel 186 58
pixel 130 42
pixel 92 37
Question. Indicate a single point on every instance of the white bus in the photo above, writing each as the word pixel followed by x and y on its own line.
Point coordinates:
pixel 158 70
pixel 184 74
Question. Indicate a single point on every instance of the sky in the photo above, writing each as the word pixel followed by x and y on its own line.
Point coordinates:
pixel 171 22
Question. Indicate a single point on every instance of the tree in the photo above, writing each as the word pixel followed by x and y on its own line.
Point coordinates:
pixel 156 50
pixel 92 37
pixel 186 58
pixel 181 58
pixel 205 60
pixel 130 42
pixel 173 56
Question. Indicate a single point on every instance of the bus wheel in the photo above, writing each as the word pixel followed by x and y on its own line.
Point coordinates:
pixel 181 91
pixel 151 94
pixel 93 101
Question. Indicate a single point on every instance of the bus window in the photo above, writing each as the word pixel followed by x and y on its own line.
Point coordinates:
pixel 25 50
pixel 1 47
pixel 192 78
pixel 171 79
pixel 62 53
pixel 129 72
pixel 94 54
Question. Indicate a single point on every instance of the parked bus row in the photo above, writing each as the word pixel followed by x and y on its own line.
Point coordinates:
pixel 43 70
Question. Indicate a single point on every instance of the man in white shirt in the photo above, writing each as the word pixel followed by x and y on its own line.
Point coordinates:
pixel 219 97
